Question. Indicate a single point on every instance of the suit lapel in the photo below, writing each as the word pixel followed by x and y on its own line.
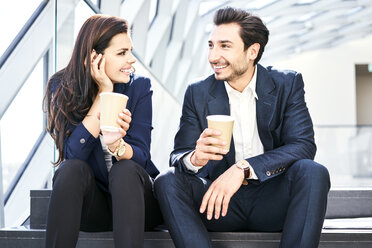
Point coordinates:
pixel 218 104
pixel 265 106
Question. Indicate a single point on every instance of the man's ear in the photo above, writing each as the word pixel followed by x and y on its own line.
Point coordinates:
pixel 253 51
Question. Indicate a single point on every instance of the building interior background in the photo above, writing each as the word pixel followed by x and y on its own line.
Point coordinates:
pixel 328 41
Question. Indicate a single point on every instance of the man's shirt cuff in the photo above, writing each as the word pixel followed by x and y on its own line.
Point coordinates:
pixel 189 165
pixel 253 175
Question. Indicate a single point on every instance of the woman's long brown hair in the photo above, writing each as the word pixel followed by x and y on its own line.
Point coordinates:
pixel 71 91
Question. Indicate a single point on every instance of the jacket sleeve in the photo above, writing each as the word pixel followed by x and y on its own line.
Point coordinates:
pixel 188 132
pixel 80 143
pixel 139 132
pixel 295 132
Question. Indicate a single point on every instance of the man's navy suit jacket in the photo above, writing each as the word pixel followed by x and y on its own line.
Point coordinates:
pixel 283 120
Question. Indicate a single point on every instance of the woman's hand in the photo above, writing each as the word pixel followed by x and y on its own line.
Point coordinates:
pixel 97 70
pixel 124 120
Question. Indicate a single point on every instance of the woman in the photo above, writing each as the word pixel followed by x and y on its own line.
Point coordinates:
pixel 104 180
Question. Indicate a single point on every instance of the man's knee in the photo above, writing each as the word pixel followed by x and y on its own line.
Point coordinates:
pixel 167 183
pixel 165 179
pixel 306 168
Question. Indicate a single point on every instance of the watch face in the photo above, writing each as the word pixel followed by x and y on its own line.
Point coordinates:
pixel 243 165
pixel 121 150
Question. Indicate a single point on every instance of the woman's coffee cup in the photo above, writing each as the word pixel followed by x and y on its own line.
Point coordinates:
pixel 111 104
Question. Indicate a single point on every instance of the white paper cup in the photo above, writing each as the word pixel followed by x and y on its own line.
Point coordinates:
pixel 111 104
pixel 223 123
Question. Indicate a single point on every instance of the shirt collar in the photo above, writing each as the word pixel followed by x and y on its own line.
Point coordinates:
pixel 251 85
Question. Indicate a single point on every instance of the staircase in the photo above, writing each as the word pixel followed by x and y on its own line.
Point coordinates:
pixel 352 228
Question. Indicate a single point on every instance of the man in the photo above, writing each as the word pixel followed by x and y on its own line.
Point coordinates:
pixel 268 180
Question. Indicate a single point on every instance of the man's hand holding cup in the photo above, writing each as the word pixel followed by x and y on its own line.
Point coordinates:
pixel 214 141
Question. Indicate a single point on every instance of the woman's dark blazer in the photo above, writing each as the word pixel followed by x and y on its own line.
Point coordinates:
pixel 82 145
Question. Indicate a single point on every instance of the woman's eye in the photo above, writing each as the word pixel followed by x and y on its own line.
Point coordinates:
pixel 121 53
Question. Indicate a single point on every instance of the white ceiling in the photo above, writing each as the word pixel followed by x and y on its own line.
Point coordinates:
pixel 302 25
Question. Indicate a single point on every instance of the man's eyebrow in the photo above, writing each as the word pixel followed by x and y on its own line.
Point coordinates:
pixel 224 41
pixel 221 41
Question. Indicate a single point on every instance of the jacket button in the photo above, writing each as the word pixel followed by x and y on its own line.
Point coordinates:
pixel 268 173
pixel 82 141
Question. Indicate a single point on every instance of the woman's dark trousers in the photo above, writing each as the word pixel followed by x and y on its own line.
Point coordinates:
pixel 77 203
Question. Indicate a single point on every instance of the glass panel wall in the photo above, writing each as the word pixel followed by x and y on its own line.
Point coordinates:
pixel 153 10
pixel 347 153
pixel 15 13
pixel 71 17
pixel 96 2
pixel 22 124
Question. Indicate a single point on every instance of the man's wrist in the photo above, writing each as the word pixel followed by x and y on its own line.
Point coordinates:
pixel 192 158
pixel 245 167
pixel 187 161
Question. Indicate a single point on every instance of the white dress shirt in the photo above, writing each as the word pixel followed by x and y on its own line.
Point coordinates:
pixel 245 133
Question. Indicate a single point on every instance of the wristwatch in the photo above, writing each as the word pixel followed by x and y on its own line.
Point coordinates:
pixel 244 165
pixel 120 149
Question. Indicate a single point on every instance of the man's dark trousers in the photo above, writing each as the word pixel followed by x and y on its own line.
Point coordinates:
pixel 293 202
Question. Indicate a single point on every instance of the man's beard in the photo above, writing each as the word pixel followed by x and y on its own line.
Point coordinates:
pixel 236 72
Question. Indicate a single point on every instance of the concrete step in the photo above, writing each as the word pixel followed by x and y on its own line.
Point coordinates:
pixel 34 238
pixel 349 203
pixel 340 233
pixel 342 203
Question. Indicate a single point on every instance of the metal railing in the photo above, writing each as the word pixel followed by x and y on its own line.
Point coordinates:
pixel 1 190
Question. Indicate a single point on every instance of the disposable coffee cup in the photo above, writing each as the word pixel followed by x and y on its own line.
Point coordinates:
pixel 111 104
pixel 224 124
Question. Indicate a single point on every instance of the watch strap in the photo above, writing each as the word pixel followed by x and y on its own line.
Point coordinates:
pixel 117 149
pixel 121 148
pixel 244 165
pixel 247 172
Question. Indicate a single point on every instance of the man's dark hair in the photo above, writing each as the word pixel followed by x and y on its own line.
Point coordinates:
pixel 252 29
